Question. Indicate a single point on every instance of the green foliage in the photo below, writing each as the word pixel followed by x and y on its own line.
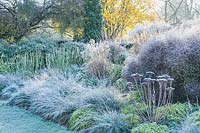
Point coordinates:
pixel 81 119
pixel 116 73
pixel 174 114
pixel 3 66
pixel 190 125
pixel 93 20
pixel 134 96
pixel 194 118
pixel 3 43
pixel 121 84
pixel 109 122
pixel 150 128
pixel 70 19
pixel 117 54
pixel 120 58
pixel 26 9
pixel 131 112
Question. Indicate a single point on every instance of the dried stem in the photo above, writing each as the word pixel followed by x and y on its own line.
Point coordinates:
pixel 151 99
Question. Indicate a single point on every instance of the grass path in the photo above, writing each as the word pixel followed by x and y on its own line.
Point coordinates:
pixel 15 120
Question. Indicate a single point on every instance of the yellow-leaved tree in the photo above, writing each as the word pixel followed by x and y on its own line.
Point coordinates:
pixel 122 15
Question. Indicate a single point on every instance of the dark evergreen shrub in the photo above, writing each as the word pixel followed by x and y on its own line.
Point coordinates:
pixel 93 20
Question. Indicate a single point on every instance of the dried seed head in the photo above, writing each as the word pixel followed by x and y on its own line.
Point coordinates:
pixel 168 88
pixel 129 84
pixel 172 88
pixel 144 83
pixel 137 76
pixel 153 80
pixel 149 72
pixel 162 80
pixel 170 79
pixel 147 80
pixel 164 76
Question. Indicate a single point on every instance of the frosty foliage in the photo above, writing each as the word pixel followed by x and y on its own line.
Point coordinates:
pixel 10 81
pixel 101 56
pixel 15 120
pixel 149 28
pixel 192 88
pixel 109 122
pixel 98 64
pixel 55 96
pixel 101 100
pixel 144 32
pixel 190 125
pixel 176 52
pixel 39 53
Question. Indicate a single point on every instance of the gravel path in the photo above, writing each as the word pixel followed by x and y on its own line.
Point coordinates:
pixel 15 120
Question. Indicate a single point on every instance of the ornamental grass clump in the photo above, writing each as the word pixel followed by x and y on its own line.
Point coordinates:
pixel 153 93
pixel 49 94
pixel 101 100
pixel 54 96
pixel 53 108
pixel 109 122
pixel 7 80
pixel 98 63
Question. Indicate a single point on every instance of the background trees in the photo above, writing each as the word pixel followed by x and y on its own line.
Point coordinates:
pixel 121 15
pixel 70 18
pixel 176 11
pixel 20 17
pixel 79 19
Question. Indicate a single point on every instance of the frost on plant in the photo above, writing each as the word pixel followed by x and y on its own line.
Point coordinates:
pixel 153 93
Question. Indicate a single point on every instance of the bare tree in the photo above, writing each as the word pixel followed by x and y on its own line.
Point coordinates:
pixel 20 17
pixel 175 11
